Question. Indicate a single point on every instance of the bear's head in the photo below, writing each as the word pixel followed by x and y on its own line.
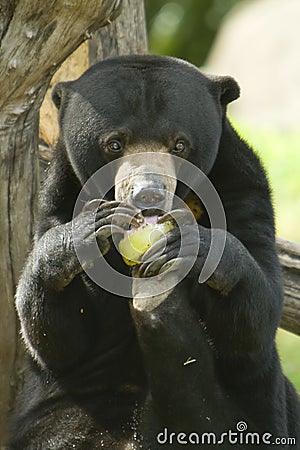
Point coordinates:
pixel 139 104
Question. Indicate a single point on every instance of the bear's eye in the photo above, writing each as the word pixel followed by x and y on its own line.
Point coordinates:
pixel 114 146
pixel 179 146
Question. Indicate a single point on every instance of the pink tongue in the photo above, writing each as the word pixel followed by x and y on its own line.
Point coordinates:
pixel 152 220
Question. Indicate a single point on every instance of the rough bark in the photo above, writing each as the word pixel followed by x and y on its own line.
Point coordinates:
pixel 289 255
pixel 126 35
pixel 35 39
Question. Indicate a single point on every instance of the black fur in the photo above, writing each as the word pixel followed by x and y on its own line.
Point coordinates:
pixel 113 375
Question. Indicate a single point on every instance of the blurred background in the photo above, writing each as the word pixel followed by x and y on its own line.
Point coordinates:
pixel 257 42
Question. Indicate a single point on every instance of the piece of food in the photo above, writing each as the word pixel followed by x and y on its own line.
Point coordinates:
pixel 138 241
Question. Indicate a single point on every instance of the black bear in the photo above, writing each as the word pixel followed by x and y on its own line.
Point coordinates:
pixel 196 366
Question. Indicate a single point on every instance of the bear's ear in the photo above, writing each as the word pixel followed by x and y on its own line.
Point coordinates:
pixel 58 93
pixel 226 88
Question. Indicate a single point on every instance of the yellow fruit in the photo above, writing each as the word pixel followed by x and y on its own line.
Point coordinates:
pixel 140 240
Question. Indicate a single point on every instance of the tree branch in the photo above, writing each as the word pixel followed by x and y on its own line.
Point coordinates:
pixel 289 256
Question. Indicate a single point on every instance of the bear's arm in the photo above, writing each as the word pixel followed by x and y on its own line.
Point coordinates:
pixel 50 318
pixel 51 321
pixel 60 310
pixel 249 271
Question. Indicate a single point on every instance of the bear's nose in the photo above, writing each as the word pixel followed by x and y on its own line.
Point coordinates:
pixel 149 197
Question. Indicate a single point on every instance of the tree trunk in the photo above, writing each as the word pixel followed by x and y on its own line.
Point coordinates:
pixel 289 256
pixel 17 159
pixel 35 39
pixel 126 35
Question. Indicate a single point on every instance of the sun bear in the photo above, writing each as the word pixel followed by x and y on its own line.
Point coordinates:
pixel 196 365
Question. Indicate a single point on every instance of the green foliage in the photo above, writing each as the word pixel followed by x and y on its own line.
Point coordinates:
pixel 288 348
pixel 184 28
pixel 279 152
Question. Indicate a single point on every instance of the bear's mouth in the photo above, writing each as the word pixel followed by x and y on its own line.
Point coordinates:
pixel 151 217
